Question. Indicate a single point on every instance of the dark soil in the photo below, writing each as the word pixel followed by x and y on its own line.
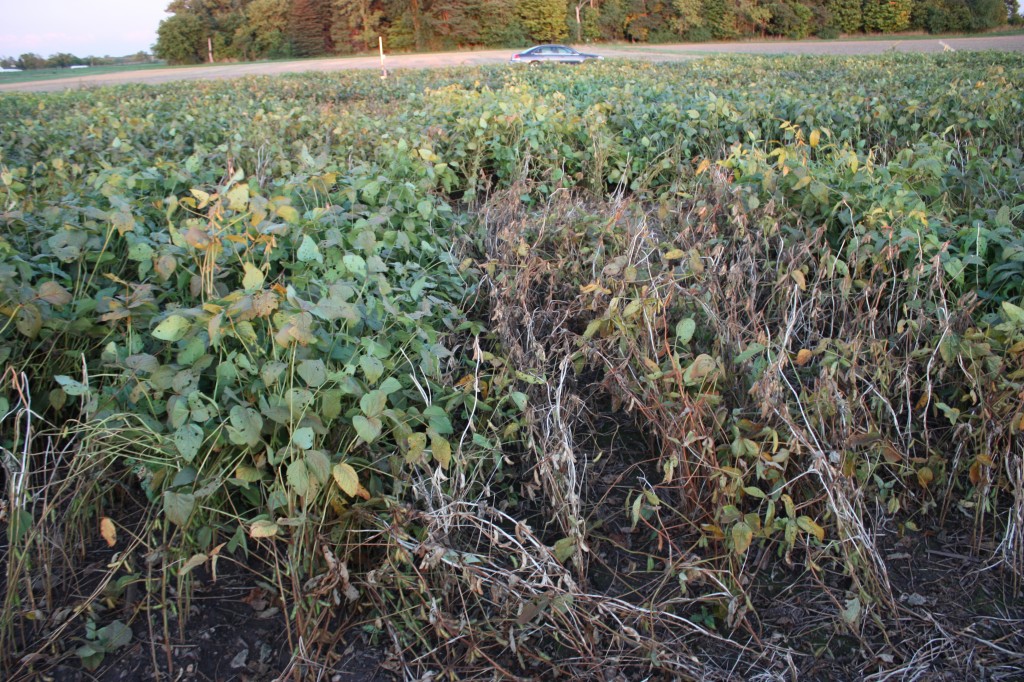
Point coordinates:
pixel 235 631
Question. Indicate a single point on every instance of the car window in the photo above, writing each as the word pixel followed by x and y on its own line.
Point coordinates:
pixel 543 51
pixel 563 50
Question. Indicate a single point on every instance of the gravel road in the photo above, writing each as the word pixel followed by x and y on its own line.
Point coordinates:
pixel 658 53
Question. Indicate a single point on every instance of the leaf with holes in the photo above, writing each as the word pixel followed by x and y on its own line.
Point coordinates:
pixel 188 439
pixel 303 438
pixel 244 426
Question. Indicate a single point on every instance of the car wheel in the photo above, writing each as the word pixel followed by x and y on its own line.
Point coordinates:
pixel 535 62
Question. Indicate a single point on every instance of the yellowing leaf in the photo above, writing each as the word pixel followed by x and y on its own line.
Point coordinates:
pixel 702 366
pixel 253 278
pixel 674 254
pixel 29 320
pixel 193 561
pixel 288 214
pixel 808 525
pixel 238 198
pixel 346 478
pixel 803 357
pixel 262 529
pixel 172 329
pixel 54 293
pixel 798 277
pixel 703 166
pixel 417 444
pixel 815 137
pixel 108 530
pixel 925 476
pixel 442 450
pixel 742 535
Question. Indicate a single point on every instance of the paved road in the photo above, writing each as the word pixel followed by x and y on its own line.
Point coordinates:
pixel 659 53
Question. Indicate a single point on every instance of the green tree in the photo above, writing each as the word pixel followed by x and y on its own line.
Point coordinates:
pixel 1012 10
pixel 500 25
pixel 987 14
pixel 612 20
pixel 650 20
pixel 720 18
pixel 450 23
pixel 309 27
pixel 544 20
pixel 688 15
pixel 31 60
pixel 886 16
pixel 179 39
pixel 356 24
pixel 792 20
pixel 63 60
pixel 846 15
pixel 263 32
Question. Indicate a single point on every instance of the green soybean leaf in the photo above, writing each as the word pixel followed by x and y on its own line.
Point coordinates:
pixel 303 438
pixel 685 330
pixel 372 368
pixel 318 465
pixel 438 420
pixel 245 425
pixel 313 372
pixel 70 386
pixel 373 403
pixel 298 478
pixel 178 507
pixel 367 428
pixel 355 264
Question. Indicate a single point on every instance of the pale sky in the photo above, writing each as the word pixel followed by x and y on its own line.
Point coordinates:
pixel 81 27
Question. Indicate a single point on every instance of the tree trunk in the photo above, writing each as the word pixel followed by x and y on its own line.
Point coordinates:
pixel 417 23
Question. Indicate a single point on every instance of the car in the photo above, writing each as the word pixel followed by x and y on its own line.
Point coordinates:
pixel 561 54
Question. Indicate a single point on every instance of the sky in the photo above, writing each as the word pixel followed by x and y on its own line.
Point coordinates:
pixel 83 28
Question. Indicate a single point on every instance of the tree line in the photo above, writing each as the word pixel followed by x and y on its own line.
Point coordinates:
pixel 63 60
pixel 268 29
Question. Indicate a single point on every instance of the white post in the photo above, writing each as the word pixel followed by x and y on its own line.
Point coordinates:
pixel 380 44
pixel 209 48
